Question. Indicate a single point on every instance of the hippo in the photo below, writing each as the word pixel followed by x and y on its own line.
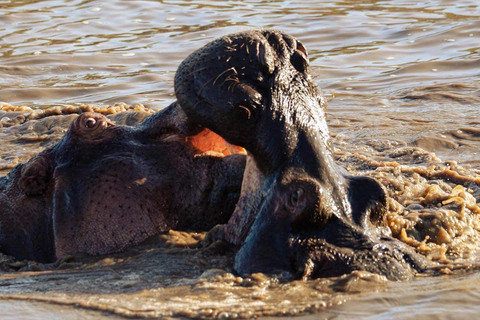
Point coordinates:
pixel 104 187
pixel 298 212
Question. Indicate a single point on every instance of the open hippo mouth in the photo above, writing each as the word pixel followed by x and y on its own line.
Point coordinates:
pixel 105 187
pixel 297 210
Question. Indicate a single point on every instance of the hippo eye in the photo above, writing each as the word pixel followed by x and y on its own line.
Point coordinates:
pixel 90 123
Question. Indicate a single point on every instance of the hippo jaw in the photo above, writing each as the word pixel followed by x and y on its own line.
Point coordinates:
pixel 296 209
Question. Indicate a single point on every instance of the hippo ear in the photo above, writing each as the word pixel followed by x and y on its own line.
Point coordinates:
pixel 36 175
pixel 368 200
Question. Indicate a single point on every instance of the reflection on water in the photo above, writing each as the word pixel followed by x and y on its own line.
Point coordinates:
pixel 402 77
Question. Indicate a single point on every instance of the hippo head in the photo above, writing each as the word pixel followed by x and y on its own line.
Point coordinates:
pixel 297 211
pixel 117 185
pixel 104 187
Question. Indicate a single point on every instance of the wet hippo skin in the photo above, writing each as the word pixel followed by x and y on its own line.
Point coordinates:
pixel 298 211
pixel 104 187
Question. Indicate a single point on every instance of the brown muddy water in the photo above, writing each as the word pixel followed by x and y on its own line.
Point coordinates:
pixel 403 83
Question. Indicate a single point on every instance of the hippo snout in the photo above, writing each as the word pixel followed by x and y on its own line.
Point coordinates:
pixel 297 211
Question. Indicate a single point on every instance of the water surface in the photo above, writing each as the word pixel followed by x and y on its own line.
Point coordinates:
pixel 403 83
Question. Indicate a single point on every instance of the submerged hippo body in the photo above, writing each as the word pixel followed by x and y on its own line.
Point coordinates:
pixel 297 210
pixel 104 187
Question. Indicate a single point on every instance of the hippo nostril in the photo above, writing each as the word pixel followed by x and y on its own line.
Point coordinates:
pixel 299 58
pixel 301 48
pixel 90 123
